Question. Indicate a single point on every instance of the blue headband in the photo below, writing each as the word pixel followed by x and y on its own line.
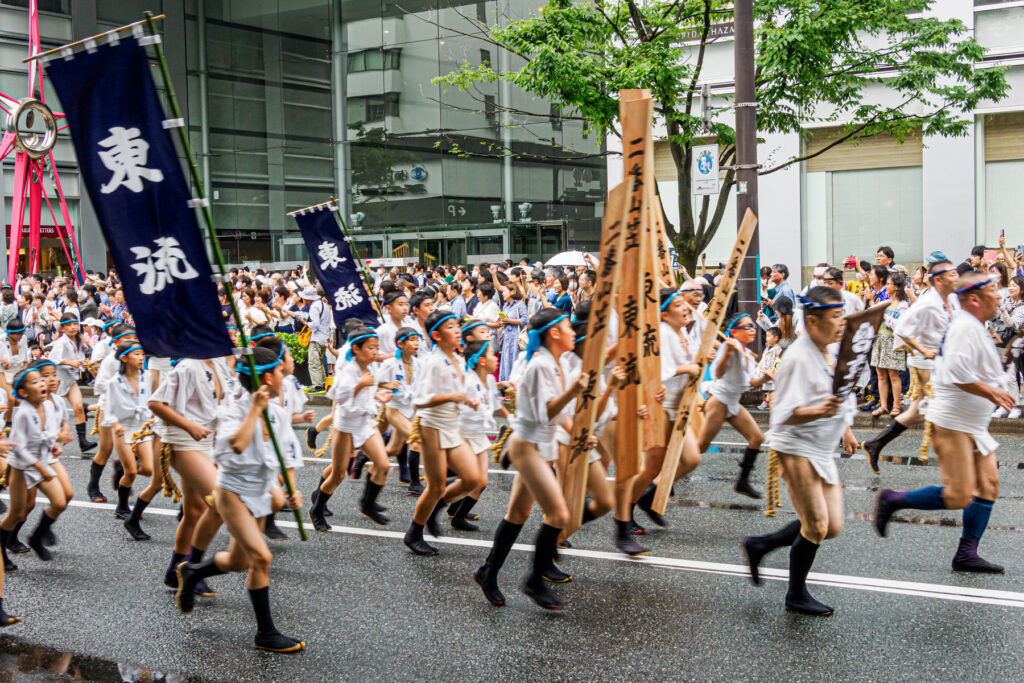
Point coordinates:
pixel 579 339
pixel 232 327
pixel 735 320
pixel 533 337
pixel 815 306
pixel 123 334
pixel 16 330
pixel 475 358
pixel 450 316
pixel 109 323
pixel 17 380
pixel 260 369
pixel 390 301
pixel 42 363
pixel 261 336
pixel 62 323
pixel 398 352
pixel 940 272
pixel 348 354
pixel 970 288
pixel 128 350
pixel 668 301
pixel 470 326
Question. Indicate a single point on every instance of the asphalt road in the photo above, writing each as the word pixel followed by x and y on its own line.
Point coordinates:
pixel 369 610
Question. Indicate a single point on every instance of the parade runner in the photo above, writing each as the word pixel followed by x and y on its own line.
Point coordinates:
pixel 968 381
pixel 807 420
pixel 69 353
pixel 532 449
pixel 439 391
pixel 922 328
pixel 247 470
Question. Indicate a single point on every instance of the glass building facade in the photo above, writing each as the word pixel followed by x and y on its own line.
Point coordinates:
pixel 291 102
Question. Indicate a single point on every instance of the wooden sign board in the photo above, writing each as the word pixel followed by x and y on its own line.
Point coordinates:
pixel 573 470
pixel 715 318
pixel 636 110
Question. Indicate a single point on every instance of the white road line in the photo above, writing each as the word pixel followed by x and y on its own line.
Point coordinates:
pixel 865 583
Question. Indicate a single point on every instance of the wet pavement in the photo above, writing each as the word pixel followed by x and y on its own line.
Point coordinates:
pixel 369 610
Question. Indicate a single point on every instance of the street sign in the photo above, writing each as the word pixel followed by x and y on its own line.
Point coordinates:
pixel 704 175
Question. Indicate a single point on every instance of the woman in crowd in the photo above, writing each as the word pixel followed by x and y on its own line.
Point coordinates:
pixel 887 360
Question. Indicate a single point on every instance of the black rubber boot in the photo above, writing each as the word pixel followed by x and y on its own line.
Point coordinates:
pixel 403 465
pixel 414 541
pixel 415 487
pixel 756 547
pixel 311 435
pixel 368 504
pixel 645 502
pixel 272 531
pixel 267 635
pixel 543 557
pixel 83 443
pixel 171 573
pixel 316 494
pixel 625 542
pixel 358 464
pixel 115 474
pixel 123 510
pixel 5 618
pixel 635 528
pixel 35 541
pixel 93 489
pixel 202 589
pixel 873 447
pixel 14 544
pixel 458 513
pixel 4 538
pixel 801 557
pixel 486 576
pixel 316 513
pixel 432 526
pixel 742 485
pixel 189 574
pixel 132 525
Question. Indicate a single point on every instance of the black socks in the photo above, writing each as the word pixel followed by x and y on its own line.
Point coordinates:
pixel 132 525
pixel 267 635
pixel 742 485
pixel 93 489
pixel 756 547
pixel 316 513
pixel 368 504
pixel 414 541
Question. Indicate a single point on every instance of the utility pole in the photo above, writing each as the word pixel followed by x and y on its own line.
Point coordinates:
pixel 746 148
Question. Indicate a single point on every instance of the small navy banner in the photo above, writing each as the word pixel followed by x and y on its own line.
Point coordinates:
pixel 135 181
pixel 335 268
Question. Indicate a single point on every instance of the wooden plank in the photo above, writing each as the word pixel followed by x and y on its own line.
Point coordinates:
pixel 715 318
pixel 650 355
pixel 573 469
pixel 661 242
pixel 636 113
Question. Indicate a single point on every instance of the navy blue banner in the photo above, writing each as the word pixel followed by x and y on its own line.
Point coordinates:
pixel 135 181
pixel 336 270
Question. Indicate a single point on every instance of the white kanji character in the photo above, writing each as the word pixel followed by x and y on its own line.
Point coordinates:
pixel 162 265
pixel 127 159
pixel 346 297
pixel 328 253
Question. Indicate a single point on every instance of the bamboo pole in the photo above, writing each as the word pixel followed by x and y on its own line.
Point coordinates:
pixel 243 340
pixel 98 35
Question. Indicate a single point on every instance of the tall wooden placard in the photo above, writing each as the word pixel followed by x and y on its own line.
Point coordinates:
pixel 636 108
pixel 715 317
pixel 574 470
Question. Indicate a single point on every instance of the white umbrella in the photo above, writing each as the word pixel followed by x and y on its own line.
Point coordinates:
pixel 572 259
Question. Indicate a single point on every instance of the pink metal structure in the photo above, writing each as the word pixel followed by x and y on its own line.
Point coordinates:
pixel 31 162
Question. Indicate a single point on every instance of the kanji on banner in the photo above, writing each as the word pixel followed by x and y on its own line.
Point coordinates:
pixel 134 178
pixel 335 268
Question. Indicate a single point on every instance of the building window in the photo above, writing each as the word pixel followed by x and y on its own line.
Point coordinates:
pixel 555 115
pixel 490 109
pixel 373 108
pixel 485 57
pixel 375 60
